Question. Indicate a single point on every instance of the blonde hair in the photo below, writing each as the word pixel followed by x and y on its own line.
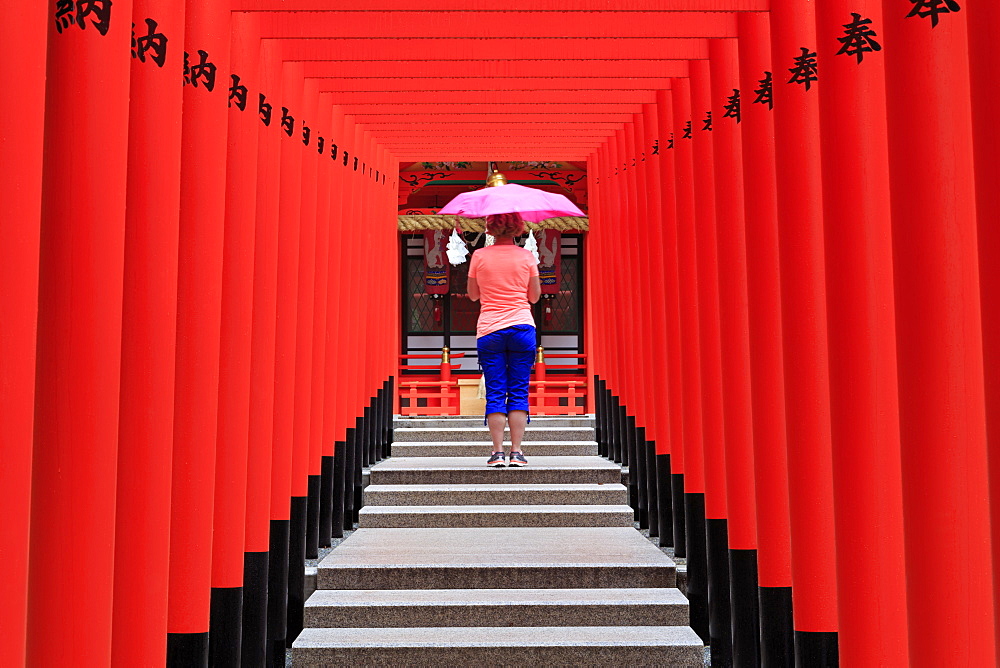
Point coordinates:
pixel 505 225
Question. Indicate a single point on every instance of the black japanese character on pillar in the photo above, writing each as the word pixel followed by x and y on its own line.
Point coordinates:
pixel 687 131
pixel 670 142
pixel 203 71
pixel 656 147
pixel 152 43
pixel 333 151
pixel 859 38
pixel 320 143
pixel 306 134
pixel 933 9
pixel 733 106
pixel 355 163
pixel 345 158
pixel 765 94
pixel 265 110
pixel 65 16
pixel 101 10
pixel 707 122
pixel 287 122
pixel 805 70
pixel 69 12
pixel 237 93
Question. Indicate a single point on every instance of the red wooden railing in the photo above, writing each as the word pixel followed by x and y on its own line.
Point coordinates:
pixel 438 390
pixel 545 389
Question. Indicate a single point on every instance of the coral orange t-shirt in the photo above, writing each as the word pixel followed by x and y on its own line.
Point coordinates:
pixel 503 272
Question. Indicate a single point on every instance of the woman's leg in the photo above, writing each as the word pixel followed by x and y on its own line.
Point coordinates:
pixel 518 421
pixel 497 423
pixel 492 360
pixel 520 358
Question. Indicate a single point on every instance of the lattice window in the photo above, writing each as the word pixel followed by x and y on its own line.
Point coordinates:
pixel 420 307
pixel 464 311
pixel 566 303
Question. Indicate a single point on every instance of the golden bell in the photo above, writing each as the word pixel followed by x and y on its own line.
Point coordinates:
pixel 496 179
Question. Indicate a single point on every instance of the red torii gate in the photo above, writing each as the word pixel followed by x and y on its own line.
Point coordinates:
pixel 839 378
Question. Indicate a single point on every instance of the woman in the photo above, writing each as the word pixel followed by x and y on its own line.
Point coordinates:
pixel 505 277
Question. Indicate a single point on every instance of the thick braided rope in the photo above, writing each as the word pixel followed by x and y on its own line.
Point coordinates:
pixel 437 222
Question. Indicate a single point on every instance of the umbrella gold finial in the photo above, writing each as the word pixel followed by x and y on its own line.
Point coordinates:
pixel 496 179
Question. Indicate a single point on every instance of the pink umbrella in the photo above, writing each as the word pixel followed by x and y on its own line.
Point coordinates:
pixel 534 205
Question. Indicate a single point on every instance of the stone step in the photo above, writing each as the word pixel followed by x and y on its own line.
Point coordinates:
pixel 495 494
pixel 477 422
pixel 521 558
pixel 405 517
pixel 483 448
pixel 675 646
pixel 473 470
pixel 452 434
pixel 394 608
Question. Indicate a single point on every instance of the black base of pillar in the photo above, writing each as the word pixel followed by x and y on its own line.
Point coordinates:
pixel 816 649
pixel 680 514
pixel 276 653
pixel 277 586
pixel 339 473
pixel 697 563
pixel 325 501
pixel 777 640
pixel 253 640
pixel 187 650
pixel 350 452
pixel 312 518
pixel 719 607
pixel 225 627
pixel 390 407
pixel 628 447
pixel 664 502
pixel 371 427
pixel 296 568
pixel 598 415
pixel 620 439
pixel 746 615
pixel 359 452
pixel 652 506
pixel 637 465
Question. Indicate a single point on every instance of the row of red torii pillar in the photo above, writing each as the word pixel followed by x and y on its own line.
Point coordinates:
pixel 807 325
pixel 211 316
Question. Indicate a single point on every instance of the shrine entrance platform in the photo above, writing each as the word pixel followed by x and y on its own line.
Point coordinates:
pixel 454 562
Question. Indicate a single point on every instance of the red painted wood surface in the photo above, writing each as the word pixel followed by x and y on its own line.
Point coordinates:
pixel 764 310
pixel 21 143
pixel 694 458
pixel 939 334
pixel 80 275
pixel 263 327
pixel 707 279
pixel 149 339
pixel 733 313
pixel 862 341
pixel 228 538
pixel 803 303
pixel 199 320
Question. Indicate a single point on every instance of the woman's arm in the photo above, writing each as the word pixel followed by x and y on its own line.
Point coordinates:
pixel 534 289
pixel 473 289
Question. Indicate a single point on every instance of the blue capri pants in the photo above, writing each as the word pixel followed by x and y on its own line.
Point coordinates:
pixel 506 356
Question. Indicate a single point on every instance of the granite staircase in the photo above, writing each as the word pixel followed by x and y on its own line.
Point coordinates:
pixel 454 562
